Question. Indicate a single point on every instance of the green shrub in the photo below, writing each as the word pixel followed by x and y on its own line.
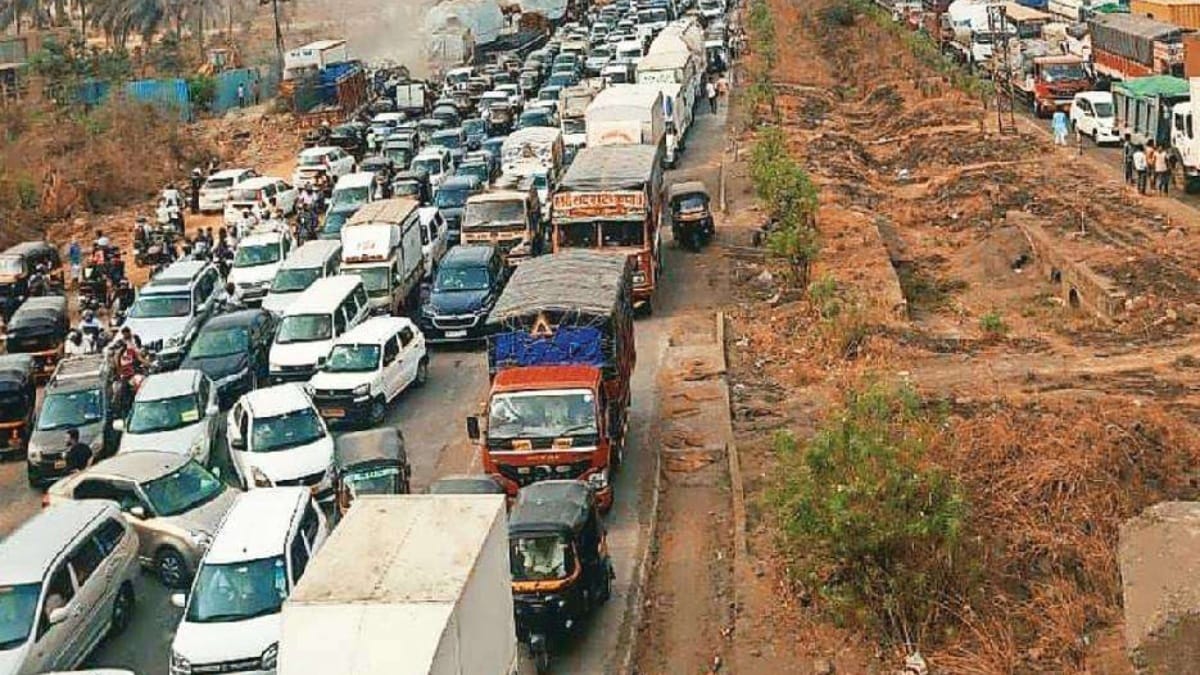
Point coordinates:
pixel 993 324
pixel 202 89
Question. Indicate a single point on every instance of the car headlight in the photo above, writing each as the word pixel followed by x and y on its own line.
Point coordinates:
pixel 35 454
pixel 274 367
pixel 270 656
pixel 179 664
pixel 598 480
pixel 362 390
pixel 230 379
pixel 200 538
pixel 427 310
pixel 174 340
pixel 260 479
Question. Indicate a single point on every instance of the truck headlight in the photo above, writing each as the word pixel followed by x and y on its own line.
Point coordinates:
pixel 269 657
pixel 599 480
pixel 639 277
pixel 179 664
pixel 35 454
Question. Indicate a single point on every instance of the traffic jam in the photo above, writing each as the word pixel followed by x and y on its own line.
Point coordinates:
pixel 222 429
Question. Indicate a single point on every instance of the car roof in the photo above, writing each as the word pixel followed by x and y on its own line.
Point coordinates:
pixel 374 330
pixel 259 182
pixel 177 274
pixel 461 181
pixel 324 295
pixel 257 525
pixel 318 151
pixel 242 317
pixel 351 180
pixel 261 237
pixel 140 466
pixel 27 553
pixel 165 385
pixel 276 400
pixel 83 369
pixel 468 253
pixel 229 173
pixel 312 253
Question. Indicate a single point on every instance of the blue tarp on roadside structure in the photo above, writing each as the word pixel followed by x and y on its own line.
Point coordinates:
pixel 169 94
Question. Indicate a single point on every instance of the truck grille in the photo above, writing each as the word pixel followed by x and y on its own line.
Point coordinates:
pixel 527 475
pixel 238 666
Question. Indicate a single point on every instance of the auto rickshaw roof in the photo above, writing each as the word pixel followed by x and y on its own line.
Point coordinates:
pixel 551 506
pixel 15 368
pixel 25 248
pixel 42 309
pixel 687 188
pixel 372 445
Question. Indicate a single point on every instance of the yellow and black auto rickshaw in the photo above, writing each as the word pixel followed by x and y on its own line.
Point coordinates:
pixel 691 215
pixel 18 395
pixel 371 462
pixel 559 561
pixel 39 328
pixel 19 264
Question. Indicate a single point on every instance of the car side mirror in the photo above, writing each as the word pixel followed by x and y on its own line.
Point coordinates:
pixel 118 425
pixel 320 361
pixel 473 430
pixel 58 615
pixel 179 600
pixel 138 511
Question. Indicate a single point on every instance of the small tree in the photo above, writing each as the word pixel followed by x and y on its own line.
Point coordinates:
pixel 783 185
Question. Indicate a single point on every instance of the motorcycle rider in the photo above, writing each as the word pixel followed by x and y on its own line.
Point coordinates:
pixel 324 133
pixel 130 364
pixel 90 329
pixel 123 297
pixel 197 181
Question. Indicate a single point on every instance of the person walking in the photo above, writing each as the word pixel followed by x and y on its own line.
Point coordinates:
pixel 1059 124
pixel 1127 156
pixel 79 456
pixel 75 259
pixel 1139 167
pixel 1162 172
pixel 241 94
pixel 256 91
pixel 710 92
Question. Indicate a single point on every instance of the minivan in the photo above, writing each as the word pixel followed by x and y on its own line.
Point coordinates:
pixel 231 616
pixel 170 309
pixel 327 309
pixel 314 260
pixel 66 581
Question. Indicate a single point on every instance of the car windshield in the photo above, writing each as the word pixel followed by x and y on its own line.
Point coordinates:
pixel 451 141
pixel 11 265
pixel 652 16
pixel 352 359
pixel 375 279
pixel 163 414
pixel 304 328
pixel 61 410
pixel 18 608
pixel 212 343
pixel 161 306
pixel 540 558
pixel 474 126
pixel 381 481
pixel 244 195
pixel 188 488
pixel 218 183
pixel 458 278
pixel 334 221
pixel 534 119
pixel 1103 109
pixel 482 214
pixel 451 198
pixel 289 430
pixel 350 196
pixel 295 279
pixel 401 156
pixel 429 165
pixel 238 591
pixel 542 414
pixel 256 254
pixel 312 160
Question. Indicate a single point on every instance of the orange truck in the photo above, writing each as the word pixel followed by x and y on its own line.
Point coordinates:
pixel 560 355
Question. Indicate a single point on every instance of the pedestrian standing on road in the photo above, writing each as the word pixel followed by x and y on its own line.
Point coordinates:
pixel 1127 155
pixel 197 181
pixel 1139 167
pixel 241 94
pixel 710 92
pixel 256 91
pixel 1162 171
pixel 79 455
pixel 75 258
pixel 1059 124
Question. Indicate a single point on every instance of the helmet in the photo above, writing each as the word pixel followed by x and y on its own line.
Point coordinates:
pixel 75 336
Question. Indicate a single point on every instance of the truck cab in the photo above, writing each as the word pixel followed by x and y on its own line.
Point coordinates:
pixel 387 257
pixel 509 219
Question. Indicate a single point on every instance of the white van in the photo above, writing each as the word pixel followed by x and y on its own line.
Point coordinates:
pixel 276 438
pixel 257 259
pixel 66 581
pixel 314 260
pixel 435 162
pixel 231 617
pixel 326 310
pixel 216 187
pixel 381 244
pixel 351 191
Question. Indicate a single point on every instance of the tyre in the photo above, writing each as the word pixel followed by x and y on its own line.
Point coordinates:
pixel 171 568
pixel 378 411
pixel 122 611
pixel 541 659
pixel 422 373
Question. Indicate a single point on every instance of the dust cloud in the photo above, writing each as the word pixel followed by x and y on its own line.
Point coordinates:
pixel 376 31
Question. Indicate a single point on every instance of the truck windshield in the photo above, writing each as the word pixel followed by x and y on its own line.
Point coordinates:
pixel 375 279
pixel 70 409
pixel 255 255
pixel 164 414
pixel 483 214
pixel 574 125
pixel 1059 72
pixel 294 280
pixel 289 430
pixel 238 591
pixel 352 359
pixel 183 490
pixel 161 306
pixel 540 558
pixel 18 606
pixel 304 328
pixel 542 414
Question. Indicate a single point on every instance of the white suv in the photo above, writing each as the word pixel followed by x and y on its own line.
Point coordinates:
pixel 368 368
pixel 276 438
pixel 216 187
pixel 329 160
pixel 256 261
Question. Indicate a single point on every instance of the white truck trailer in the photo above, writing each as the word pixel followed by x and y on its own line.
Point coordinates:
pixel 314 56
pixel 625 114
pixel 406 585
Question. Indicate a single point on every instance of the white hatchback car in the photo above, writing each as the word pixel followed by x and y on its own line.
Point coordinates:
pixel 216 187
pixel 1092 113
pixel 174 412
pixel 330 160
pixel 368 368
pixel 277 438
pixel 256 194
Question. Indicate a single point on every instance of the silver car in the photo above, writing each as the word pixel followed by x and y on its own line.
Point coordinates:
pixel 173 503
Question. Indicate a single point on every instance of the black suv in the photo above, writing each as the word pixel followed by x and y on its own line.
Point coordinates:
pixel 232 350
pixel 469 280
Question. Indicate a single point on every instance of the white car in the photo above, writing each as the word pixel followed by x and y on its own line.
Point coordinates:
pixel 256 194
pixel 435 237
pixel 1092 114
pixel 256 261
pixel 436 163
pixel 174 412
pixel 368 368
pixel 216 187
pixel 277 437
pixel 330 160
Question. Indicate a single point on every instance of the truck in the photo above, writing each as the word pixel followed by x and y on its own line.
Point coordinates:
pixel 532 149
pixel 679 68
pixel 572 105
pixel 1143 106
pixel 381 243
pixel 1126 46
pixel 1045 79
pixel 560 356
pixel 626 114
pixel 406 584
pixel 509 219
pixel 314 56
pixel 412 98
pixel 677 116
pixel 1185 141
pixel 610 200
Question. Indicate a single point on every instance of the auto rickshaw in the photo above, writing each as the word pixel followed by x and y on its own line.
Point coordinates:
pixel 20 262
pixel 500 118
pixel 559 561
pixel 414 184
pixel 39 328
pixel 18 396
pixel 370 462
pixel 691 217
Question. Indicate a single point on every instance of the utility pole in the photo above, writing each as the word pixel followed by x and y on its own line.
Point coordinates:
pixel 278 33
pixel 1002 69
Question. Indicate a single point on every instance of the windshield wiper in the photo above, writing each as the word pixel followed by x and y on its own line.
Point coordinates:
pixel 577 427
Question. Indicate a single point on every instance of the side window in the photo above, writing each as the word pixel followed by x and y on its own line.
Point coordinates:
pixel 339 322
pixel 299 555
pixel 109 535
pixel 58 593
pixel 406 336
pixel 102 489
pixel 390 352
pixel 85 560
pixel 310 525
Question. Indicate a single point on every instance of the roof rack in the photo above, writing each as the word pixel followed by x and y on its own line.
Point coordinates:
pixel 80 367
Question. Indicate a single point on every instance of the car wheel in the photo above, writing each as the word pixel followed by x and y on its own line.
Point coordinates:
pixel 378 411
pixel 171 568
pixel 422 372
pixel 122 610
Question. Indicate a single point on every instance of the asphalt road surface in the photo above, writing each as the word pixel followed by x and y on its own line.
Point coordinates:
pixel 433 422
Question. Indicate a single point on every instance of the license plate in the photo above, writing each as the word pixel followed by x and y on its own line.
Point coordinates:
pixel 456 333
pixel 333 412
pixel 60 463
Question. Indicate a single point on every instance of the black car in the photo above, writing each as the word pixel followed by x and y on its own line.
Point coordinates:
pixel 451 199
pixel 232 350
pixel 469 280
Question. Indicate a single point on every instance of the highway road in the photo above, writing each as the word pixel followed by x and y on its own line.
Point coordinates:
pixel 432 420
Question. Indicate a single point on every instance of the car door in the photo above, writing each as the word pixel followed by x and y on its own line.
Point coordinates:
pixel 85 563
pixel 392 368
pixel 126 497
pixel 53 644
pixel 410 355
pixel 237 427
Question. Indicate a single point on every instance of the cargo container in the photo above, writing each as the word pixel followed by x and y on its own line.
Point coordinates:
pixel 406 585
pixel 1142 107
pixel 1183 14
pixel 1125 46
